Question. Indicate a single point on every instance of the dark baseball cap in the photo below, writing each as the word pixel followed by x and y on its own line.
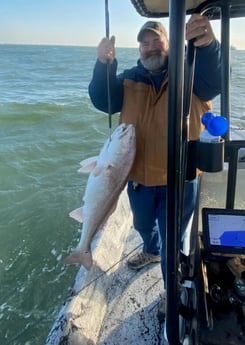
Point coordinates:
pixel 156 27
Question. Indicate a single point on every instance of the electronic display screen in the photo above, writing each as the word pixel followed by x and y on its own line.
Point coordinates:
pixel 224 230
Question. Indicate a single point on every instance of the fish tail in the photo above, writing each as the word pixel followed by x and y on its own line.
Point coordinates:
pixel 83 258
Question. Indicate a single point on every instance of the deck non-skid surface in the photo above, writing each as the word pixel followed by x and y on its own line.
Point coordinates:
pixel 131 316
pixel 111 304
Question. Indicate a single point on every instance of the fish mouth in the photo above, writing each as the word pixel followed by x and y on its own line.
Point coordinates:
pixel 124 128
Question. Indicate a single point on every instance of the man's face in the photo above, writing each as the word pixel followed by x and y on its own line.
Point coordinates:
pixel 153 51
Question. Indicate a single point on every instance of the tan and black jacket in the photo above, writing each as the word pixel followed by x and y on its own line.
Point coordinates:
pixel 142 100
pixel 147 110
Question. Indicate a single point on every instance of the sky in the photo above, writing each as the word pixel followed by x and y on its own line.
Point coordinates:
pixel 81 22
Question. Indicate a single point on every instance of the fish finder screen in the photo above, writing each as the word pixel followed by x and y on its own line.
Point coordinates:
pixel 227 230
pixel 224 230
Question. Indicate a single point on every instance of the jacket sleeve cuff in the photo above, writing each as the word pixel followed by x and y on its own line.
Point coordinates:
pixel 101 68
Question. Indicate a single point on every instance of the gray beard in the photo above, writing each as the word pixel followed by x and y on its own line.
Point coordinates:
pixel 154 62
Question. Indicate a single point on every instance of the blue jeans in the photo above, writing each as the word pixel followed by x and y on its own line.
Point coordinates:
pixel 148 205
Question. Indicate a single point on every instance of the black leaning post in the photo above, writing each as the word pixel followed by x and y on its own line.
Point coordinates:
pixel 175 116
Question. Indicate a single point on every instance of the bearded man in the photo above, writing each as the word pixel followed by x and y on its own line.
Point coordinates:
pixel 140 94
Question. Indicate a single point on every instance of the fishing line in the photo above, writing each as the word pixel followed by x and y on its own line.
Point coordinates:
pixel 107 32
pixel 106 271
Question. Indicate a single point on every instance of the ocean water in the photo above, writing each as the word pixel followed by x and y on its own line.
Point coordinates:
pixel 47 126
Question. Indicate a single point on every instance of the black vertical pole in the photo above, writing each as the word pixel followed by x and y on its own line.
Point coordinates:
pixel 107 32
pixel 175 116
pixel 225 103
pixel 225 64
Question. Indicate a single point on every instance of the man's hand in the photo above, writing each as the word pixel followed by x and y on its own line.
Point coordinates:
pixel 106 50
pixel 199 29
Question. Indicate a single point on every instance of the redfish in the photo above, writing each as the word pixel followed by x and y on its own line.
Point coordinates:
pixel 108 177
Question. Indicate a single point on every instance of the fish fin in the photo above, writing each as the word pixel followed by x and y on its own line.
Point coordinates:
pixel 87 165
pixel 77 214
pixel 102 225
pixel 98 170
pixel 83 258
pixel 112 210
